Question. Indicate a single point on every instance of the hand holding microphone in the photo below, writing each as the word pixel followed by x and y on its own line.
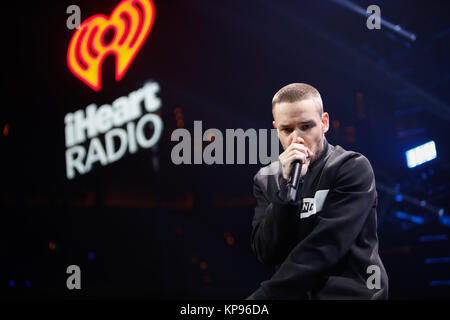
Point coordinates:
pixel 295 161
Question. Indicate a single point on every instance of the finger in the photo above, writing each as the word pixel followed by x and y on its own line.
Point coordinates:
pixel 302 149
pixel 287 153
pixel 291 156
pixel 296 156
pixel 298 153
pixel 297 146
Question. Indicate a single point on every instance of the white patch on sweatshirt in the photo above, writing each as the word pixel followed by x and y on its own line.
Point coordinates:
pixel 311 206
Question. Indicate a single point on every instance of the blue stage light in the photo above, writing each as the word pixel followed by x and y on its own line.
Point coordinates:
pixel 439 283
pixel 421 154
pixel 91 256
pixel 437 260
pixel 408 217
pixel 445 220
pixel 436 237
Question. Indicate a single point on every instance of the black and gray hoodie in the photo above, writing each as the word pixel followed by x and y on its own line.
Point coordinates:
pixel 325 246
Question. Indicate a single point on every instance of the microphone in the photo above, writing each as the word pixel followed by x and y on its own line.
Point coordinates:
pixel 294 180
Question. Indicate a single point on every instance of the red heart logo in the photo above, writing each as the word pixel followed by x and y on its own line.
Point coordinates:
pixel 131 21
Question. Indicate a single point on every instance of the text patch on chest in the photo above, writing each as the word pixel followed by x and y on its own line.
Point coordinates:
pixel 311 206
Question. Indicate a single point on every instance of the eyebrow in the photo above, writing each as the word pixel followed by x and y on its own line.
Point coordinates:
pixel 302 122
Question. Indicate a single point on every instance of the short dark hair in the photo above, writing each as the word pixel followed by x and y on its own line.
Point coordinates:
pixel 297 92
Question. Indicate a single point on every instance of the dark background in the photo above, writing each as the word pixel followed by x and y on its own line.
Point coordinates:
pixel 143 227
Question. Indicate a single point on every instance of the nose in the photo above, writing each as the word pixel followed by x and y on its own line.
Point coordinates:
pixel 296 136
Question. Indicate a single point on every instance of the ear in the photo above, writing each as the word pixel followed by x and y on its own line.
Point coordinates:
pixel 278 131
pixel 325 122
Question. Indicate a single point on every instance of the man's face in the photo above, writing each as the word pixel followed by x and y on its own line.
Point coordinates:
pixel 301 119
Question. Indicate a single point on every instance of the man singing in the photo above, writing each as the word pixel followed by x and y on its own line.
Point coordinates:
pixel 324 245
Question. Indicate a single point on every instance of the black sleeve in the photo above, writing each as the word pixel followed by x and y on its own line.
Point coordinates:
pixel 257 295
pixel 274 226
pixel 344 213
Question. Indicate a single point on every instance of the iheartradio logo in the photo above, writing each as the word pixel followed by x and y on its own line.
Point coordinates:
pixel 131 22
